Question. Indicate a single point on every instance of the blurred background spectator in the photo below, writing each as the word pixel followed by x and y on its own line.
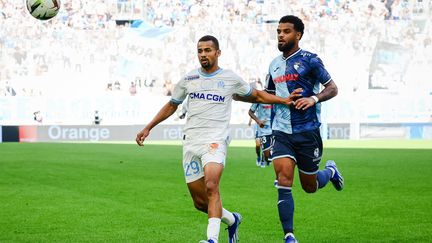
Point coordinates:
pixel 374 49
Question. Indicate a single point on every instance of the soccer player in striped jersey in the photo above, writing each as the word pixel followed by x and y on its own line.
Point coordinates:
pixel 296 128
pixel 261 114
pixel 210 91
pixel 257 141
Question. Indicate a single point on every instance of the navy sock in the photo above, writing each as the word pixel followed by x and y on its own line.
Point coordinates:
pixel 286 209
pixel 323 177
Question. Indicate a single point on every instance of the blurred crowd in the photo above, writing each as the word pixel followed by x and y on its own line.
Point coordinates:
pixel 93 47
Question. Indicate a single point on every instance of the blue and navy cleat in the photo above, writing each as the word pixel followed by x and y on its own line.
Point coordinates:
pixel 289 238
pixel 336 179
pixel 206 241
pixel 233 229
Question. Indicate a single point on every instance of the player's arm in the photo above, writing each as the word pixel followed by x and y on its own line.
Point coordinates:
pixel 255 118
pixel 184 110
pixel 250 122
pixel 259 96
pixel 330 90
pixel 166 111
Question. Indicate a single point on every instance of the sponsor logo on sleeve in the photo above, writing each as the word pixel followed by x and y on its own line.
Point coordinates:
pixel 192 77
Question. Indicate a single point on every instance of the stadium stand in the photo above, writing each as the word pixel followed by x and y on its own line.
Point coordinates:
pixel 373 49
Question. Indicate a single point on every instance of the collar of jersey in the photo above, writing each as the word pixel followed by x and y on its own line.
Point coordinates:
pixel 295 53
pixel 209 74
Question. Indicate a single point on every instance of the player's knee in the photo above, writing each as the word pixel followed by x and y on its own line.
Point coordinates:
pixel 267 154
pixel 285 181
pixel 212 187
pixel 309 188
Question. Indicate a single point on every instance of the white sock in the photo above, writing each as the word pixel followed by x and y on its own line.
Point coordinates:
pixel 227 217
pixel 213 228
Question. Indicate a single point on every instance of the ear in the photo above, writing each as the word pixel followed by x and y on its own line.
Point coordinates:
pixel 299 35
pixel 218 53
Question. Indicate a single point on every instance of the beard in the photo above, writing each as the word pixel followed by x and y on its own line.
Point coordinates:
pixel 286 47
pixel 207 65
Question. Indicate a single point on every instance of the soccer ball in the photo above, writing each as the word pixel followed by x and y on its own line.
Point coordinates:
pixel 43 9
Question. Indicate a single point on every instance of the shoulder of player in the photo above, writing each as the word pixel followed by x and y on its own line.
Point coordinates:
pixel 192 75
pixel 229 74
pixel 277 60
pixel 310 56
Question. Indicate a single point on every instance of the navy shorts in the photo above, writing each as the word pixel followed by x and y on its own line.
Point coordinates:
pixel 266 142
pixel 304 148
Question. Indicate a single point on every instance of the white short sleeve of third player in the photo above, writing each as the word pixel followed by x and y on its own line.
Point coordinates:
pixel 209 102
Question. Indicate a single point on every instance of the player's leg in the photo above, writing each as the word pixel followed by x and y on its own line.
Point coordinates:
pixel 197 184
pixel 284 164
pixel 212 175
pixel 216 213
pixel 258 150
pixel 214 162
pixel 284 169
pixel 309 152
pixel 312 182
pixel 266 144
pixel 194 174
pixel 198 193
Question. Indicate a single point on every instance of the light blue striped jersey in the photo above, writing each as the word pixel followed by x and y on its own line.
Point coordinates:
pixel 302 69
pixel 263 112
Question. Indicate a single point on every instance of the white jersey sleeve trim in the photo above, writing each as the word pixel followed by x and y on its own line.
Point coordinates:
pixel 328 81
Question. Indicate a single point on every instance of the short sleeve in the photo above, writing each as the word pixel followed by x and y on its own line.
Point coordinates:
pixel 319 71
pixel 254 107
pixel 242 88
pixel 269 84
pixel 179 93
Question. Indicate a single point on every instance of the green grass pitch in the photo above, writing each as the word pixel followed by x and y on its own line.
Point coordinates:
pixel 124 193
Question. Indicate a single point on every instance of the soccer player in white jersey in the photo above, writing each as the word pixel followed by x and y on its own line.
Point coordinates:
pixel 210 91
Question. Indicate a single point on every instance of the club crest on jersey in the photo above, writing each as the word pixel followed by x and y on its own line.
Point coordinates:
pixel 296 66
pixel 221 84
pixel 316 152
pixel 211 97
pixel 192 77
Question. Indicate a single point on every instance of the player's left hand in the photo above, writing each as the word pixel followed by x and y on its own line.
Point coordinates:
pixel 304 103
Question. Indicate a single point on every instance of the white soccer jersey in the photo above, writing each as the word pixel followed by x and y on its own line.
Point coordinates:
pixel 209 103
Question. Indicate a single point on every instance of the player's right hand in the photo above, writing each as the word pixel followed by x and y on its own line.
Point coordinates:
pixel 141 136
pixel 261 124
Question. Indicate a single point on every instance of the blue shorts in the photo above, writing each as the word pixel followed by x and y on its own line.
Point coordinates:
pixel 266 142
pixel 304 148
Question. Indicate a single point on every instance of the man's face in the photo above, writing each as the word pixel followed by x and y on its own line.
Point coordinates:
pixel 288 37
pixel 207 54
